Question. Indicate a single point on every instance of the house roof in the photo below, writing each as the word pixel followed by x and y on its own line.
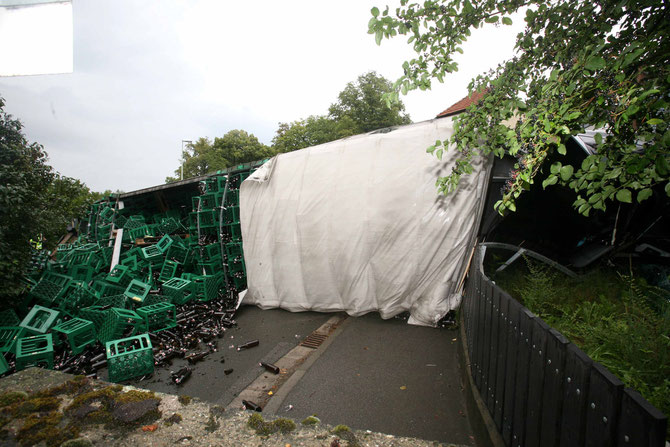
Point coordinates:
pixel 463 104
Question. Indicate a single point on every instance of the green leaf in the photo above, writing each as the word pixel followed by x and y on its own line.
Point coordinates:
pixel 566 172
pixel 655 121
pixel 661 166
pixel 598 137
pixel 438 154
pixel 667 189
pixel 430 149
pixel 378 36
pixel 375 11
pixel 556 167
pixel 506 21
pixel 491 19
pixel 644 194
pixel 624 195
pixel 561 149
pixel 551 180
pixel 595 63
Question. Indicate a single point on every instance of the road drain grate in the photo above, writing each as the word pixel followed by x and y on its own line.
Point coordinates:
pixel 313 340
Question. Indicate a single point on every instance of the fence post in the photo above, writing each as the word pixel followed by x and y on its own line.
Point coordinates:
pixel 602 411
pixel 501 367
pixel 552 397
pixel 538 352
pixel 575 392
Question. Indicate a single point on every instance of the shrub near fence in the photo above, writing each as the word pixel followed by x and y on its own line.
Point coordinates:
pixel 540 389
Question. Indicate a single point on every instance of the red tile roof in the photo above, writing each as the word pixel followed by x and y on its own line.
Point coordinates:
pixel 463 104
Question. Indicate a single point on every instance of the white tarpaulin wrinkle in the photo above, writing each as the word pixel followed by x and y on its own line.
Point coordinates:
pixel 357 225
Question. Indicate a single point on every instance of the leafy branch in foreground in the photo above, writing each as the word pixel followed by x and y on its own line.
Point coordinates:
pixel 578 65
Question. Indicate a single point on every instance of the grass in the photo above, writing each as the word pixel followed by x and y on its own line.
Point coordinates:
pixel 612 314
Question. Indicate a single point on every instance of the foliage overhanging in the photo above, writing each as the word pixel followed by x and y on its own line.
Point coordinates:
pixel 578 65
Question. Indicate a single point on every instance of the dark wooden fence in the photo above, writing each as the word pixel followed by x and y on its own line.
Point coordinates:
pixel 540 389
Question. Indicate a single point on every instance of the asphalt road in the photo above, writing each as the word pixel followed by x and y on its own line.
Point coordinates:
pixel 278 331
pixel 386 376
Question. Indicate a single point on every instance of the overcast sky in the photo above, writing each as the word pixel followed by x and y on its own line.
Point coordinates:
pixel 148 74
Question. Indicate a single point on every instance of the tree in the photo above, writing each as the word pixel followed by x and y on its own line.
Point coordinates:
pixel 66 199
pixel 204 156
pixel 311 131
pixel 362 102
pixel 578 64
pixel 25 177
pixel 360 108
pixel 238 146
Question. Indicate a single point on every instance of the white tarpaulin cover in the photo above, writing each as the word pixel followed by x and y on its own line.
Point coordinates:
pixel 357 225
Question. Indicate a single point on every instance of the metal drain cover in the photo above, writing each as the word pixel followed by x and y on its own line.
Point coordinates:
pixel 313 340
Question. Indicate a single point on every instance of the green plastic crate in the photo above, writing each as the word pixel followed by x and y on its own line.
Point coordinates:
pixel 206 287
pixel 103 288
pixel 120 275
pixel 95 314
pixel 152 254
pixel 233 250
pixel 80 297
pixel 9 335
pixel 231 215
pixel 137 290
pixel 37 350
pixel 4 366
pixel 79 333
pixel 39 320
pixel 239 282
pixel 164 243
pixel 232 198
pixel 119 300
pixel 129 357
pixel 81 272
pixel 179 290
pixel 234 231
pixel 177 252
pixel 158 317
pixel 119 323
pixel 168 271
pixel 46 291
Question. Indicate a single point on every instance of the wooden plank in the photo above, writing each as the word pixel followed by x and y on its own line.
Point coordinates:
pixel 641 424
pixel 602 411
pixel 503 327
pixel 493 348
pixel 538 354
pixel 575 392
pixel 522 375
pixel 510 370
pixel 552 396
pixel 476 352
pixel 486 346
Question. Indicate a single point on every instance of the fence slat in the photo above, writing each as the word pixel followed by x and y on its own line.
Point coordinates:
pixel 486 352
pixel 522 373
pixel 552 397
pixel 493 351
pixel 510 373
pixel 478 331
pixel 536 382
pixel 603 407
pixel 640 424
pixel 501 368
pixel 575 392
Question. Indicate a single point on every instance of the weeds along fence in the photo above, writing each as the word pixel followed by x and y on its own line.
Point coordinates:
pixel 540 389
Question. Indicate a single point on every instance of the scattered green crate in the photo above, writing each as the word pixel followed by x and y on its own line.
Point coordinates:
pixel 95 314
pixel 207 287
pixel 137 290
pixel 164 243
pixel 179 290
pixel 168 271
pixel 177 252
pixel 46 291
pixel 233 249
pixel 103 288
pixel 39 320
pixel 119 323
pixel 9 335
pixel 4 366
pixel 158 317
pixel 129 357
pixel 37 350
pixel 152 254
pixel 120 275
pixel 79 333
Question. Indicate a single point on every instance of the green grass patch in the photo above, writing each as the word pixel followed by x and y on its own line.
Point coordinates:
pixel 613 315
